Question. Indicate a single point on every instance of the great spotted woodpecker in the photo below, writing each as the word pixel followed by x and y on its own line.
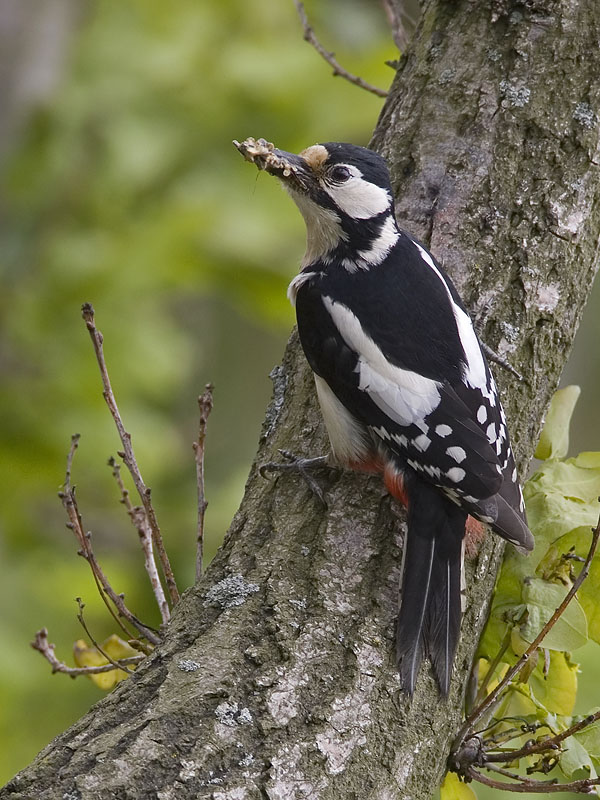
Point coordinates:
pixel 403 384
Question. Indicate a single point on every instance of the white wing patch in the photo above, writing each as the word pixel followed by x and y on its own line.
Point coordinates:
pixel 457 453
pixel 475 372
pixel 405 396
pixel 358 198
pixel 443 431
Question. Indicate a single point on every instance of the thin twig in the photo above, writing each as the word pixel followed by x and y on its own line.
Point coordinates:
pixel 503 737
pixel 205 404
pixel 75 524
pixel 87 312
pixel 140 520
pixel 395 18
pixel 494 695
pixel 95 644
pixel 550 743
pixel 42 645
pixel 124 491
pixel 118 599
pixel 105 589
pixel 310 37
pixel 137 515
pixel 507 773
pixel 533 786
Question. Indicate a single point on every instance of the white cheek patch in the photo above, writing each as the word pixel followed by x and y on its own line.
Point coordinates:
pixel 357 197
pixel 405 396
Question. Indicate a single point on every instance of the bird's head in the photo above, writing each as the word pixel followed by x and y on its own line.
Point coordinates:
pixel 344 194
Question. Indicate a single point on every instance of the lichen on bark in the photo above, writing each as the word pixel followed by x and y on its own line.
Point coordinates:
pixel 276 679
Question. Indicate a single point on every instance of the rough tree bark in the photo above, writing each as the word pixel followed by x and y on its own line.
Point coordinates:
pixel 276 679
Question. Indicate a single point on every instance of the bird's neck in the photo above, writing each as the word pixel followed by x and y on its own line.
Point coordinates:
pixel 353 244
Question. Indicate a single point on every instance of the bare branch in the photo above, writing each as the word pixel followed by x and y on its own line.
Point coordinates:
pixel 535 787
pixel 124 491
pixel 205 404
pixel 87 312
pixel 42 645
pixel 105 589
pixel 138 517
pixel 399 32
pixel 102 652
pixel 310 37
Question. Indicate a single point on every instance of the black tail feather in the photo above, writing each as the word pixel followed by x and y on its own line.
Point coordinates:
pixel 430 611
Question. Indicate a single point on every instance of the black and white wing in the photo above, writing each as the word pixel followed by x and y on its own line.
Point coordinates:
pixel 437 413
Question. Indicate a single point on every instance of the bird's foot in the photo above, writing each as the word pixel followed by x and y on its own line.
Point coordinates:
pixel 303 466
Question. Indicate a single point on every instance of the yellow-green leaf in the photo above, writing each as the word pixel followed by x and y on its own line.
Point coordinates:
pixel 557 690
pixel 554 441
pixel 454 789
pixel 115 647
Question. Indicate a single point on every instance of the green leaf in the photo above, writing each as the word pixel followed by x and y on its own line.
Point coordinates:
pixel 551 515
pixel 589 593
pixel 590 738
pixel 589 597
pixel 542 599
pixel 554 440
pixel 575 757
pixel 572 478
pixel 454 789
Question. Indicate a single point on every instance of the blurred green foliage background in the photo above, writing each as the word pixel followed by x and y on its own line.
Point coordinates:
pixel 120 187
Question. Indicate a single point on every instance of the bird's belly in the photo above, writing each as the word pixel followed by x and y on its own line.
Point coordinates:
pixel 350 440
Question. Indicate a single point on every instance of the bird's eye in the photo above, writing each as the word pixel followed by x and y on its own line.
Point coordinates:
pixel 340 174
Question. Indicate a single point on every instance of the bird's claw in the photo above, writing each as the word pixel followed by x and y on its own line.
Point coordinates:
pixel 302 466
pixel 494 356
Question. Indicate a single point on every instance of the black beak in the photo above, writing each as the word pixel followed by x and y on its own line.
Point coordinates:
pixel 288 167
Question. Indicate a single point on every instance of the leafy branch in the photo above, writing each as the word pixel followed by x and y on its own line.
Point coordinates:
pixel 469 749
pixel 562 504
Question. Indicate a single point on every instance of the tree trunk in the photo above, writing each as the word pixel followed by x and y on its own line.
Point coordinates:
pixel 277 676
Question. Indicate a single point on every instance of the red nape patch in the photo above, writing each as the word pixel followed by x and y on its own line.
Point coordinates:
pixel 395 484
pixel 474 536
